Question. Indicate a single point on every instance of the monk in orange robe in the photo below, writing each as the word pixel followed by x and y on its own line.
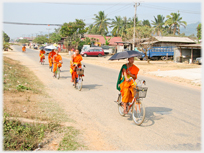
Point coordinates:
pixel 125 84
pixel 50 57
pixel 24 48
pixel 42 56
pixel 57 61
pixel 75 61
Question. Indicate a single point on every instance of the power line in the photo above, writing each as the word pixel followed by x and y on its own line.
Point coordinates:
pixel 168 9
pixel 68 3
pixel 18 23
pixel 32 24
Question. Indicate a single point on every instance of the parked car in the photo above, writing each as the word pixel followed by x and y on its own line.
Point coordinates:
pixel 93 51
pixel 199 60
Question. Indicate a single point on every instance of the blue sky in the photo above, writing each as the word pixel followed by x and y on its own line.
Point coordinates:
pixel 56 13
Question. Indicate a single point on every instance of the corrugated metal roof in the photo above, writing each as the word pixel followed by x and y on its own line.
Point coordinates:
pixel 174 39
pixel 191 45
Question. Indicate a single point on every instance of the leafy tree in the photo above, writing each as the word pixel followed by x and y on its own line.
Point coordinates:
pixel 55 38
pixel 117 25
pixel 41 40
pixel 199 32
pixel 142 32
pixel 92 29
pixel 23 41
pixel 174 22
pixel 158 24
pixel 6 38
pixel 101 23
pixel 146 22
pixel 74 31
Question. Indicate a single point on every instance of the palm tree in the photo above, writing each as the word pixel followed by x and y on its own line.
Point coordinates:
pixel 174 22
pixel 116 25
pixel 101 22
pixel 125 26
pixel 158 23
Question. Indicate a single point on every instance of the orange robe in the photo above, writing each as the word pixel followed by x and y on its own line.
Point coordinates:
pixel 128 87
pixel 56 62
pixel 50 57
pixel 23 48
pixel 42 56
pixel 76 60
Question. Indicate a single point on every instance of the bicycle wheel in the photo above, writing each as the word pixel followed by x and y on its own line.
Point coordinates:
pixel 120 106
pixel 51 68
pixel 58 73
pixel 79 84
pixel 138 113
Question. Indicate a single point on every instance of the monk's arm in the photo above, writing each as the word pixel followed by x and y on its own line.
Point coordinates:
pixel 132 75
pixel 125 74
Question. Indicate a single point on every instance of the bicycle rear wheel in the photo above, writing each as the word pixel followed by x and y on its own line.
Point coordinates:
pixel 138 112
pixel 79 84
pixel 58 73
pixel 120 106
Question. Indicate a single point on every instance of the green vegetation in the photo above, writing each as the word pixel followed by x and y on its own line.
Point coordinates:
pixel 26 92
pixel 16 78
pixel 199 31
pixel 24 137
pixel 69 142
pixel 6 38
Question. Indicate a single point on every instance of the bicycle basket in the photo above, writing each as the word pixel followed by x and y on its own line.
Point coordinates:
pixel 80 71
pixel 142 91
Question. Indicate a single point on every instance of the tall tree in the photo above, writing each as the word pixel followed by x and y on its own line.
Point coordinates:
pixel 55 37
pixel 116 24
pixel 158 24
pixel 6 38
pixel 174 21
pixel 199 32
pixel 146 22
pixel 101 22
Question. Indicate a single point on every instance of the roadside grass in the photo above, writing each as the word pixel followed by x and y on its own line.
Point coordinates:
pixel 24 97
pixel 16 78
pixel 24 137
pixel 69 141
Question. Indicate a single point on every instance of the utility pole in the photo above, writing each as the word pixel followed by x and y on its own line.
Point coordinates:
pixel 48 33
pixel 133 44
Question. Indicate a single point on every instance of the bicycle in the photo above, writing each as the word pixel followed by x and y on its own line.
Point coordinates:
pixel 57 72
pixel 42 60
pixel 136 106
pixel 78 81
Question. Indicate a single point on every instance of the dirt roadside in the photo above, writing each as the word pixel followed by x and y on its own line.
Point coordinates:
pixel 145 68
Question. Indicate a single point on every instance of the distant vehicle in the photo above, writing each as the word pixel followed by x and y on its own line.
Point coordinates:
pixel 47 51
pixel 199 60
pixel 42 47
pixel 93 51
pixel 156 53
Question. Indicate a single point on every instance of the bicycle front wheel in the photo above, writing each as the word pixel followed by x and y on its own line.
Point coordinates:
pixel 120 106
pixel 79 84
pixel 138 112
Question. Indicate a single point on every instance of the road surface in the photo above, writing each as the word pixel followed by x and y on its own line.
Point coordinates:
pixel 173 112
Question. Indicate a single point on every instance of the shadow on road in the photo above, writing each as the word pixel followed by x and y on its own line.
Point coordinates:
pixel 152 114
pixel 90 86
pixel 65 71
pixel 155 113
pixel 65 77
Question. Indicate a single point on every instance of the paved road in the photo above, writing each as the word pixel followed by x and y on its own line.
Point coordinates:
pixel 173 112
